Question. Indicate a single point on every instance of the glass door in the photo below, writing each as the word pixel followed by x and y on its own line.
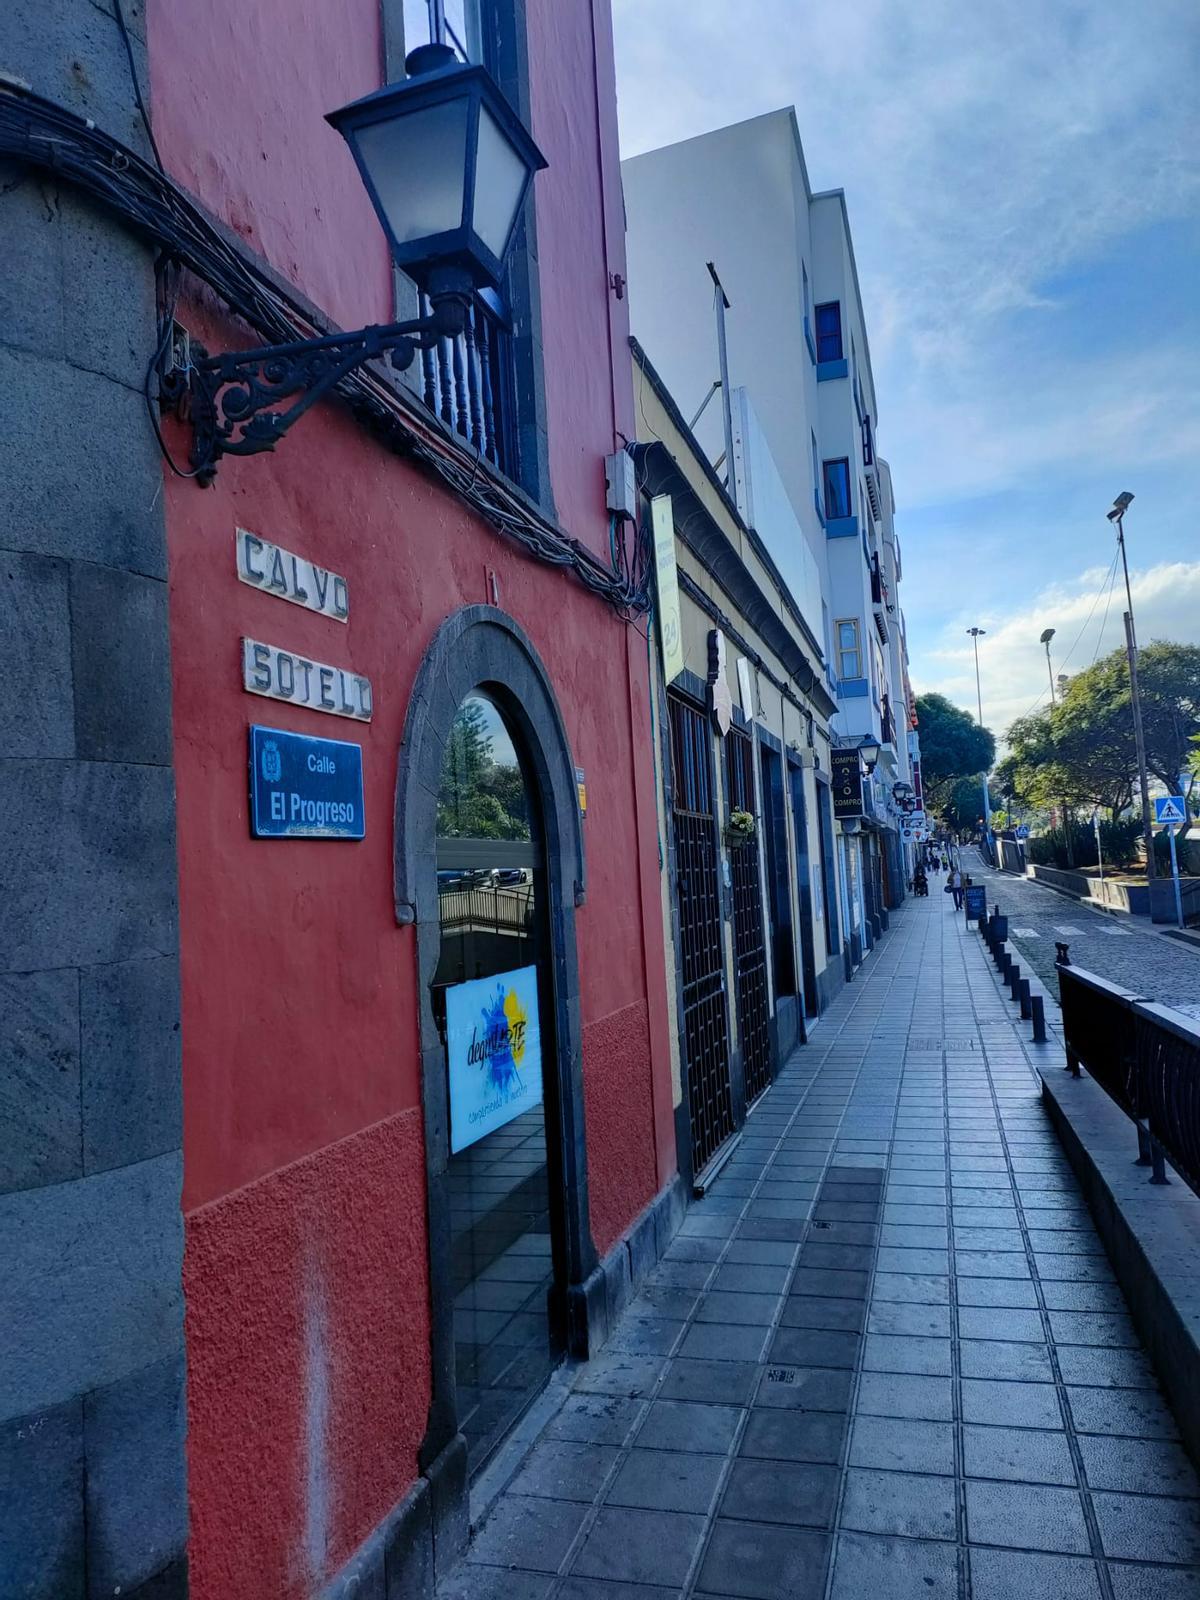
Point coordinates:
pixel 493 1004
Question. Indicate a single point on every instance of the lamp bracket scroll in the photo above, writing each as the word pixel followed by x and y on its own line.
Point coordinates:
pixel 235 399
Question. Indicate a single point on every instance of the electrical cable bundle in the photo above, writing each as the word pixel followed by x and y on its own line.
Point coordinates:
pixel 35 131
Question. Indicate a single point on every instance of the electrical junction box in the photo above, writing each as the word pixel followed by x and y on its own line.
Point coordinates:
pixel 620 494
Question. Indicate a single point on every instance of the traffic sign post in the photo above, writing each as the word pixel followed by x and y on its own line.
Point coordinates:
pixel 1170 812
pixel 1175 878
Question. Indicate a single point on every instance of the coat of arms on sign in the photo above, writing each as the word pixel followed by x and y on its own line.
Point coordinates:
pixel 720 701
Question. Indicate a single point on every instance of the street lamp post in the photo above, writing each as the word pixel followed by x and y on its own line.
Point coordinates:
pixel 1120 506
pixel 1047 635
pixel 976 635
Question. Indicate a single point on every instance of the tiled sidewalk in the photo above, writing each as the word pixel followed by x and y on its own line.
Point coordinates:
pixel 886 1357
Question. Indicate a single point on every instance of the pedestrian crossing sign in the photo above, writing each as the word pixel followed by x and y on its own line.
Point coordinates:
pixel 1169 808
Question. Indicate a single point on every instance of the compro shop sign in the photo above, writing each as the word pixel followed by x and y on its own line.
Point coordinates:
pixel 494 1047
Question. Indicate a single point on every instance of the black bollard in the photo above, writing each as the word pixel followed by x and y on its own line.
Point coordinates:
pixel 1014 980
pixel 1026 1000
pixel 1038 1007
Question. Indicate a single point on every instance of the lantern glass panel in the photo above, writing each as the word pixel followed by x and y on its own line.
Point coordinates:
pixel 500 177
pixel 417 162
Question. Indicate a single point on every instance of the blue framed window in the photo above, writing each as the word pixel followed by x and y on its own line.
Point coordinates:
pixel 849 648
pixel 837 487
pixel 829 331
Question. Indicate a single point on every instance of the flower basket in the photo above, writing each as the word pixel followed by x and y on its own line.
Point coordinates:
pixel 741 828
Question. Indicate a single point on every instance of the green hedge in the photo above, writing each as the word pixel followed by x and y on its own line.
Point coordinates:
pixel 1118 840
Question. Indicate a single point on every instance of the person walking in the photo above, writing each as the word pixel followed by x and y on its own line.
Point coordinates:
pixel 956 888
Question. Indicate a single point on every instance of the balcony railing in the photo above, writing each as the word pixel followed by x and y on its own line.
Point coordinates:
pixel 887 722
pixel 880 600
pixel 469 383
pixel 880 594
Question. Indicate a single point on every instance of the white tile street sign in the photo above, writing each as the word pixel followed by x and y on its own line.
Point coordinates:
pixel 1169 808
pixel 270 567
pixel 284 675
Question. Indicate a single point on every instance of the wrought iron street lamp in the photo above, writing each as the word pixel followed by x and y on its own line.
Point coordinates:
pixel 869 749
pixel 447 165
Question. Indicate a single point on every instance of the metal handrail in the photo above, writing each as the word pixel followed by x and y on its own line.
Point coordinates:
pixel 1146 1058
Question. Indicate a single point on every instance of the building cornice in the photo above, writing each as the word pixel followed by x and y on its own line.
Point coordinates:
pixel 660 473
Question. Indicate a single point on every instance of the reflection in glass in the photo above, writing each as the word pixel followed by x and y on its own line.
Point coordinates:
pixel 491 893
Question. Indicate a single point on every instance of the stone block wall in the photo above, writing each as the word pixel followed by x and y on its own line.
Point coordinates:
pixel 92 1478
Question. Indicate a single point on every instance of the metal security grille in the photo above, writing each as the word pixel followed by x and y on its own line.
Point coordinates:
pixel 749 946
pixel 705 1022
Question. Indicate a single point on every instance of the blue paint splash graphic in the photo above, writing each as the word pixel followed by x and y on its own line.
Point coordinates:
pixel 502 1069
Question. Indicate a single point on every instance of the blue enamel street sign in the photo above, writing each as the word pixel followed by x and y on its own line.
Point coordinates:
pixel 304 788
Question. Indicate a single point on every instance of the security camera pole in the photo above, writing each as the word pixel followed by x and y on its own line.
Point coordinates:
pixel 1120 506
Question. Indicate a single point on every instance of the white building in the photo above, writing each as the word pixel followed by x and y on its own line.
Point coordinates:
pixel 803 414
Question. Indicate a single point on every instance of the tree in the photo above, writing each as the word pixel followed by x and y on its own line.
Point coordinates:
pixel 1083 752
pixel 953 746
pixel 1169 681
pixel 964 807
pixel 479 797
pixel 1075 754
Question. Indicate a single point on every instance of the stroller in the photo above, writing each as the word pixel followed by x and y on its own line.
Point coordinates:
pixel 920 883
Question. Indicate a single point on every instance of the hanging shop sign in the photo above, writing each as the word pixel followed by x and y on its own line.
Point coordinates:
pixel 304 788
pixel 670 620
pixel 494 1052
pixel 720 701
pixel 270 567
pixel 846 781
pixel 745 678
pixel 280 674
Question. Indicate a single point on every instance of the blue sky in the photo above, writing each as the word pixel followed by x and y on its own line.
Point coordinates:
pixel 1023 181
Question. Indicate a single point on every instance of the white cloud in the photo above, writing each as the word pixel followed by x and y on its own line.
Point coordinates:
pixel 984 150
pixel 998 160
pixel 1012 663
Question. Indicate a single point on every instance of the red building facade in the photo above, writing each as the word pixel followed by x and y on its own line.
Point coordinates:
pixel 323 1416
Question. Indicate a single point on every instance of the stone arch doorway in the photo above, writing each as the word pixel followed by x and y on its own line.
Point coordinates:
pixel 480 655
